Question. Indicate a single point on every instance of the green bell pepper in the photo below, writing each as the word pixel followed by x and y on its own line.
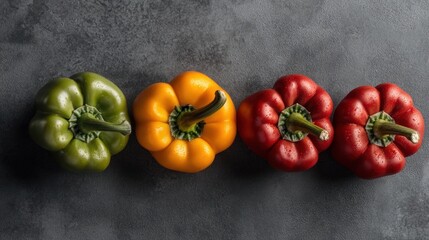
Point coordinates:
pixel 83 119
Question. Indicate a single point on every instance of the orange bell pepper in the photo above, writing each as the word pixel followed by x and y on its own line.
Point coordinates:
pixel 186 122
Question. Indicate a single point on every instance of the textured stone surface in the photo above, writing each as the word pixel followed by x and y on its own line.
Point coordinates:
pixel 245 46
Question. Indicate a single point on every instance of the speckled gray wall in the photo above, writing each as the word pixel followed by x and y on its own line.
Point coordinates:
pixel 245 46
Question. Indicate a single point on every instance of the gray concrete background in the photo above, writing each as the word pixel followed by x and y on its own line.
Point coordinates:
pixel 245 46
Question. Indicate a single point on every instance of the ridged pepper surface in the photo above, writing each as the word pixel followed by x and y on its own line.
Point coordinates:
pixel 186 122
pixel 83 119
pixel 288 125
pixel 375 129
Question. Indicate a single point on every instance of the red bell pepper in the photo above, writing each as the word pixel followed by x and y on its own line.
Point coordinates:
pixel 375 129
pixel 287 125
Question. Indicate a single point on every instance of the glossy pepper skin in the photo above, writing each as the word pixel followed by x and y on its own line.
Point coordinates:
pixel 375 129
pixel 266 126
pixel 186 122
pixel 83 119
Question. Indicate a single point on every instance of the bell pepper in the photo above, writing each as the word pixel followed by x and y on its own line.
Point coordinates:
pixel 82 119
pixel 376 128
pixel 186 122
pixel 289 124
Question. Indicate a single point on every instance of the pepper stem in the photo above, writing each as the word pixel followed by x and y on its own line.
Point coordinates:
pixel 295 123
pixel 383 128
pixel 187 123
pixel 188 119
pixel 88 123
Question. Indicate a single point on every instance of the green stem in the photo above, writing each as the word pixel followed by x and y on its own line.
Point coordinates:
pixel 296 122
pixel 383 128
pixel 188 119
pixel 88 123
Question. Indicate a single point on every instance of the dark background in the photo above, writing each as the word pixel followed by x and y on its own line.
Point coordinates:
pixel 245 46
